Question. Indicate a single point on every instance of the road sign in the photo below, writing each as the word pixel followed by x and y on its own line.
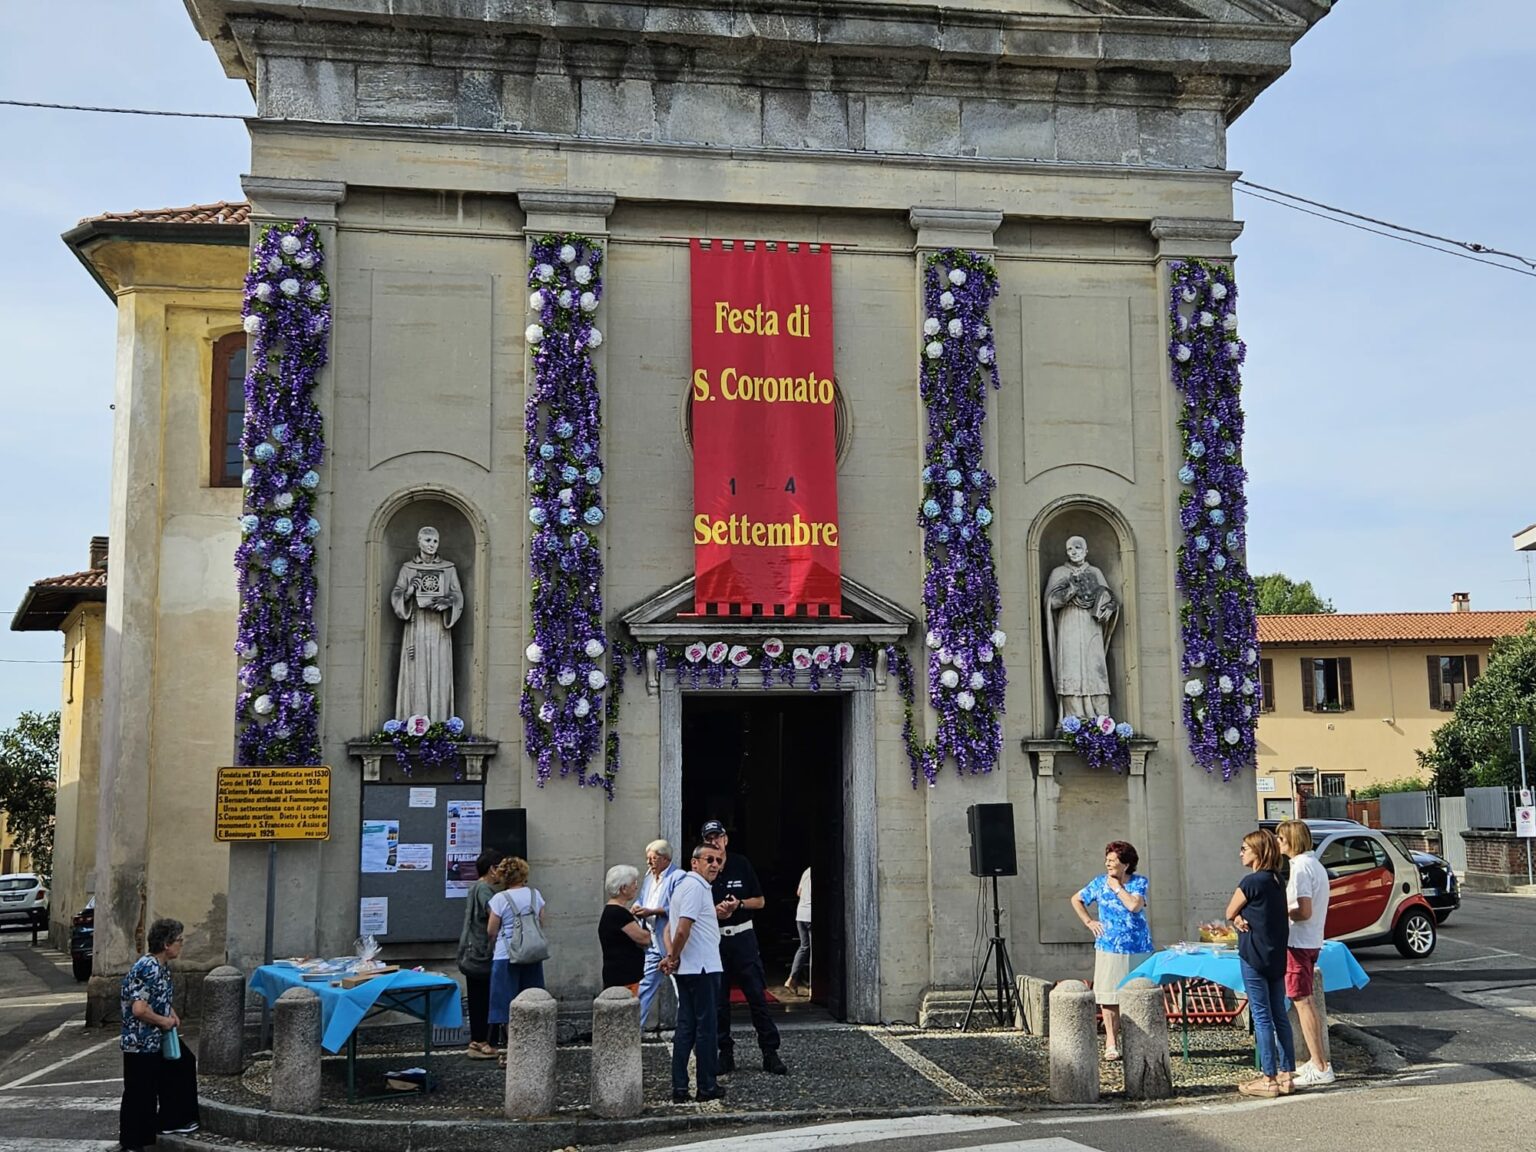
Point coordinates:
pixel 1525 822
pixel 279 803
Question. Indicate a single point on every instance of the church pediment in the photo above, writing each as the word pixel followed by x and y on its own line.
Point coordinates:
pixel 667 617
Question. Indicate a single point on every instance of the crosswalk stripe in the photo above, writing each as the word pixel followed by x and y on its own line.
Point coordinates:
pixel 849 1132
pixel 39 1103
pixel 1042 1144
pixel 43 1144
pixel 927 1069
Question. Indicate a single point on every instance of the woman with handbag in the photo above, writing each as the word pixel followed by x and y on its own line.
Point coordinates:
pixel 476 954
pixel 159 1075
pixel 515 920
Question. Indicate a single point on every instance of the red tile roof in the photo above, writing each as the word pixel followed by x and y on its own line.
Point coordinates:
pixel 1325 628
pixel 91 578
pixel 224 212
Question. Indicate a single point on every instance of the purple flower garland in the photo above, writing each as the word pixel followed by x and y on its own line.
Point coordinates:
pixel 436 747
pixel 562 702
pixel 1220 631
pixel 967 682
pixel 288 317
pixel 1100 741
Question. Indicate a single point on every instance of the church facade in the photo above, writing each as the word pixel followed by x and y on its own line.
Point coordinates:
pixel 1076 149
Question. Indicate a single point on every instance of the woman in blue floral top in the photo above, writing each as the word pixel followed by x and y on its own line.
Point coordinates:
pixel 1122 939
pixel 159 1094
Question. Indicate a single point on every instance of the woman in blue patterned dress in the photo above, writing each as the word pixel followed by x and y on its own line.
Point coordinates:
pixel 1121 937
pixel 159 1094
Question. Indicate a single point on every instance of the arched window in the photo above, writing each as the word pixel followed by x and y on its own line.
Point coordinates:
pixel 227 411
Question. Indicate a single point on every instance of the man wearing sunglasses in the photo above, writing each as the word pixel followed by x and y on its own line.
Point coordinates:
pixel 693 957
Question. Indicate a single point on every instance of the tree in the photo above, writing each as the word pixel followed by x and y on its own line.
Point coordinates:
pixel 29 772
pixel 1279 595
pixel 1472 749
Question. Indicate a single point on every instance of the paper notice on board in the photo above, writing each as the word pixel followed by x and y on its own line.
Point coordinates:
pixel 381 845
pixel 373 916
pixel 423 797
pixel 463 846
pixel 415 858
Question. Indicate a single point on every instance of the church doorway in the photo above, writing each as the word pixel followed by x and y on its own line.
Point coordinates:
pixel 770 767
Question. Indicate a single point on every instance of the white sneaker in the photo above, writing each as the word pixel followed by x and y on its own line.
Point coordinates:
pixel 1309 1076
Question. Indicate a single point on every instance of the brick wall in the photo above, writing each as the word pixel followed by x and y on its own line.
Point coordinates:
pixel 1495 861
pixel 1421 839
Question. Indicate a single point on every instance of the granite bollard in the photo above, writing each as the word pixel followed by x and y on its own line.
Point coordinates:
pixel 531 1028
pixel 296 1053
pixel 1032 1015
pixel 617 1088
pixel 223 1030
pixel 1074 1044
pixel 1144 1041
pixel 1319 1004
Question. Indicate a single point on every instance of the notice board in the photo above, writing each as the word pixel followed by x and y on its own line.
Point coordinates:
pixel 277 803
pixel 416 859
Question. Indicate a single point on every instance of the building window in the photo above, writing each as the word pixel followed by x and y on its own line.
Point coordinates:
pixel 1267 685
pixel 227 411
pixel 1327 685
pixel 1449 679
pixel 1331 784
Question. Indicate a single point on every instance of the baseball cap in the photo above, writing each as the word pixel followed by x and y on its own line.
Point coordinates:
pixel 711 828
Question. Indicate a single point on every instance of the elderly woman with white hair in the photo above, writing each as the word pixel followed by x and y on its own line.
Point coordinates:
pixel 622 936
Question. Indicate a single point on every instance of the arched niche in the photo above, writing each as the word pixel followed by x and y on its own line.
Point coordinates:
pixel 391 542
pixel 1111 549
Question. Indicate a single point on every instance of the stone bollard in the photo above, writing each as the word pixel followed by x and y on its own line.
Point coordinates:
pixel 617 1089
pixel 531 1025
pixel 296 1053
pixel 1074 1044
pixel 1303 1053
pixel 1144 1041
pixel 1032 1015
pixel 223 1028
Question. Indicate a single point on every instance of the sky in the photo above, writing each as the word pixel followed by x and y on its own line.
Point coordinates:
pixel 1387 387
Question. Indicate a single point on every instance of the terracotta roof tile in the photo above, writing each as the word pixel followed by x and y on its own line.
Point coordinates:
pixel 224 212
pixel 91 578
pixel 1385 627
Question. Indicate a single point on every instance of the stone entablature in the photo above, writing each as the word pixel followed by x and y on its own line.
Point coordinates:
pixel 1044 80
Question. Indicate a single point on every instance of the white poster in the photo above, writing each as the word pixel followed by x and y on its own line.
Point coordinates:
pixel 381 845
pixel 415 858
pixel 1525 822
pixel 423 797
pixel 463 846
pixel 373 916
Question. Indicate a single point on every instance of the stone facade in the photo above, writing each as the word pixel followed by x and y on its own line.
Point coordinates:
pixel 1081 150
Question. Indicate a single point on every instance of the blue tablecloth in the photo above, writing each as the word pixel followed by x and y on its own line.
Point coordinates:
pixel 1220 966
pixel 342 1009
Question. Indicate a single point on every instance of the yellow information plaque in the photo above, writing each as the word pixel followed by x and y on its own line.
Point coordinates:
pixel 281 803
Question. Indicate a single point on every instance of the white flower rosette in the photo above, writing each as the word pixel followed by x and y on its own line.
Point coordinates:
pixel 842 652
pixel 596 680
pixel 594 648
pixel 583 706
pixel 966 701
pixel 739 656
pixel 1106 725
pixel 718 651
pixel 417 725
pixel 949 678
pixel 801 658
pixel 534 653
pixel 821 656
pixel 695 652
pixel 773 647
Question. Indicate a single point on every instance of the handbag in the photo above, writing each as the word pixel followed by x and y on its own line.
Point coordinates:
pixel 474 948
pixel 526 943
pixel 170 1045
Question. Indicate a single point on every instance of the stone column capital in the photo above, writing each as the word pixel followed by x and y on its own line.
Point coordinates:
pixel 1201 236
pixel 284 198
pixel 955 227
pixel 558 210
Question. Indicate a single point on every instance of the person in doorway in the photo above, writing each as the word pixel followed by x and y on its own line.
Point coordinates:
pixel 1306 897
pixel 661 877
pixel 802 960
pixel 737 895
pixel 477 954
pixel 693 960
pixel 1121 937
pixel 1258 911
pixel 621 936
pixel 515 901
pixel 159 1094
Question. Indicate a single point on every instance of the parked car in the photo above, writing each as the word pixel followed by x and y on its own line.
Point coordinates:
pixel 24 896
pixel 1375 890
pixel 82 940
pixel 1437 878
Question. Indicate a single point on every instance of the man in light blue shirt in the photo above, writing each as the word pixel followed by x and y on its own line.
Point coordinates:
pixel 693 957
pixel 655 894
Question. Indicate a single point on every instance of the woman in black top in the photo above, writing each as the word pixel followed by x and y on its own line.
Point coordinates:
pixel 1258 909
pixel 623 937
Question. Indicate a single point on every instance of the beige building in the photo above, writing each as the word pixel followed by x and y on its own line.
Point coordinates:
pixel 1082 152
pixel 1350 698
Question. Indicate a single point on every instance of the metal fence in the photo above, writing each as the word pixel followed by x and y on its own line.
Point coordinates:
pixel 1491 808
pixel 1410 810
pixel 1327 807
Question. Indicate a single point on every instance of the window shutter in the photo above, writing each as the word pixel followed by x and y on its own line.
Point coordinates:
pixel 1434 680
pixel 1474 669
pixel 1346 685
pixel 1308 700
pixel 1267 682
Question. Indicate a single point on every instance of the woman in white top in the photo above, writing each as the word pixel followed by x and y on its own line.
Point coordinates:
pixel 1306 894
pixel 515 899
pixel 802 961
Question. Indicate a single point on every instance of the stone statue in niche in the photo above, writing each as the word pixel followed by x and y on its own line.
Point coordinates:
pixel 428 598
pixel 1081 613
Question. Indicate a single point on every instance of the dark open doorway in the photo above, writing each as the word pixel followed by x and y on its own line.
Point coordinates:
pixel 770 766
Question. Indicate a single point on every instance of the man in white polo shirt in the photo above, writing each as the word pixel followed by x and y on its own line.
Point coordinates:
pixel 693 958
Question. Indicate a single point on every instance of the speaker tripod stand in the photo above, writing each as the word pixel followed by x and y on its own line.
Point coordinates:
pixel 1006 1003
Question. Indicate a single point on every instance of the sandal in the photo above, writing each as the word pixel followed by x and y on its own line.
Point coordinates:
pixel 479 1050
pixel 1265 1089
pixel 1284 1083
pixel 1111 1053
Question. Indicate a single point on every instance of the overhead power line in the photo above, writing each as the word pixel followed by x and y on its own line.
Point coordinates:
pixel 124 111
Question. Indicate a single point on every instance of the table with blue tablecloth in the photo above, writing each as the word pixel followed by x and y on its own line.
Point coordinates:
pixel 431 998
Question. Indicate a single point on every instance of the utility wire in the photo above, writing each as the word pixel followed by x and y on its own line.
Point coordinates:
pixel 124 111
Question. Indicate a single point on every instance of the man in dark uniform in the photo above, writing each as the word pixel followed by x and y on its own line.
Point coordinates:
pixel 737 895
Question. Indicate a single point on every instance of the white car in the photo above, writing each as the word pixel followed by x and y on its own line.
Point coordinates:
pixel 24 896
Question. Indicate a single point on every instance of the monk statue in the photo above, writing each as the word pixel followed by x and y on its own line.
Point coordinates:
pixel 1080 616
pixel 428 598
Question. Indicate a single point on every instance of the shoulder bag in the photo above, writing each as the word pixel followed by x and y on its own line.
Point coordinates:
pixel 526 943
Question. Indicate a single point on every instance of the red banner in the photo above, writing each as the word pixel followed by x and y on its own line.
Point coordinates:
pixel 765 528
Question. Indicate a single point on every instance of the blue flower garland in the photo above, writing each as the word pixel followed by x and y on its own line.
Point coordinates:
pixel 562 703
pixel 967 682
pixel 1100 741
pixel 288 318
pixel 1220 631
